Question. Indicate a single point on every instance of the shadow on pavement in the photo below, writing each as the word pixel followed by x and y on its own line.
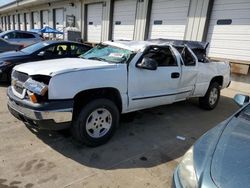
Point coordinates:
pixel 147 141
pixel 4 84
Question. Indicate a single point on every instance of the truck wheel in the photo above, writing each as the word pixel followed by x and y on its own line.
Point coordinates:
pixel 211 99
pixel 96 122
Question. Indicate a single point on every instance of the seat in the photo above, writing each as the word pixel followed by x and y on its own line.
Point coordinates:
pixel 61 51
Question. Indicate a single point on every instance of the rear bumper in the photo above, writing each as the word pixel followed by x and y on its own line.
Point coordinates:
pixel 53 115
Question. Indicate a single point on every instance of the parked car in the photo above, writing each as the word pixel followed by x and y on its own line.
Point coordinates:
pixel 40 51
pixel 88 94
pixel 220 158
pixel 24 38
pixel 7 46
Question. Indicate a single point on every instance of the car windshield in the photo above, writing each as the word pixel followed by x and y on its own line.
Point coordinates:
pixel 34 47
pixel 108 53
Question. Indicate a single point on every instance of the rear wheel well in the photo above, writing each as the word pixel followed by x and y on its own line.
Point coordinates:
pixel 83 97
pixel 217 79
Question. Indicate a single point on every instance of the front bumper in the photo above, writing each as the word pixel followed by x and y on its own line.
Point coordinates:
pixel 53 115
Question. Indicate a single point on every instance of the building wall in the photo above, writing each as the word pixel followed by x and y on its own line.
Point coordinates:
pixel 197 19
pixel 105 17
pixel 68 10
pixel 141 23
pixel 195 26
pixel 229 30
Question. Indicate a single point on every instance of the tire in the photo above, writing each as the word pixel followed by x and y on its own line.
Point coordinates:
pixel 96 122
pixel 211 99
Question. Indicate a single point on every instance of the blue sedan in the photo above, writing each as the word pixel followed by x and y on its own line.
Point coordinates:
pixel 220 158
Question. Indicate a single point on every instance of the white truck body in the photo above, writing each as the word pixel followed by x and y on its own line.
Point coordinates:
pixel 88 94
pixel 139 88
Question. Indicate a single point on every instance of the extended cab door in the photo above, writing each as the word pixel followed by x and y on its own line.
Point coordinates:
pixel 148 88
pixel 189 72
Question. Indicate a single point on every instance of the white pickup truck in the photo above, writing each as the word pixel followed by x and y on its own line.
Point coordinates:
pixel 89 93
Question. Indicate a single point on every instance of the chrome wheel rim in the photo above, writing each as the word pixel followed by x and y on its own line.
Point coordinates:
pixel 213 96
pixel 98 123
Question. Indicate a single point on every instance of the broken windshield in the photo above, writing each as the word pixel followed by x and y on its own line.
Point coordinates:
pixel 108 53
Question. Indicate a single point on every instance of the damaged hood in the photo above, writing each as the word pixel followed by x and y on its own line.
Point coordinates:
pixel 57 66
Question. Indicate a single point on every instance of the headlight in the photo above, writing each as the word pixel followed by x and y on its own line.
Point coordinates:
pixel 186 171
pixel 36 87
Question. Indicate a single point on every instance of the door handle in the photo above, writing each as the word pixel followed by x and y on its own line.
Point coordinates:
pixel 175 75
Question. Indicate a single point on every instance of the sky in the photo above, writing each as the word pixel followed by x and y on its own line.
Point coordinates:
pixel 3 2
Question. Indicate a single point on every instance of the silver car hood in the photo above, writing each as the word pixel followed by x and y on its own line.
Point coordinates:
pixel 231 161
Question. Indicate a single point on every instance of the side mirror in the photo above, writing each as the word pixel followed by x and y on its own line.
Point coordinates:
pixel 147 63
pixel 41 53
pixel 6 37
pixel 241 100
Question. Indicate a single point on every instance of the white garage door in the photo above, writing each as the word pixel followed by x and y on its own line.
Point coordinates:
pixel 59 19
pixel 35 20
pixel 16 22
pixel 124 19
pixel 168 19
pixel 12 25
pixel 22 24
pixel 229 30
pixel 45 18
pixel 27 16
pixel 94 22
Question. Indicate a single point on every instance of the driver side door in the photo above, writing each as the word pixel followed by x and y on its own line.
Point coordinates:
pixel 149 88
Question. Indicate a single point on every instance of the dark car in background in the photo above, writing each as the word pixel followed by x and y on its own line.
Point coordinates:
pixel 220 158
pixel 40 51
pixel 8 46
pixel 24 38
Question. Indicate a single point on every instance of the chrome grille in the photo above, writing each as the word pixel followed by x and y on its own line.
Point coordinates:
pixel 18 89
